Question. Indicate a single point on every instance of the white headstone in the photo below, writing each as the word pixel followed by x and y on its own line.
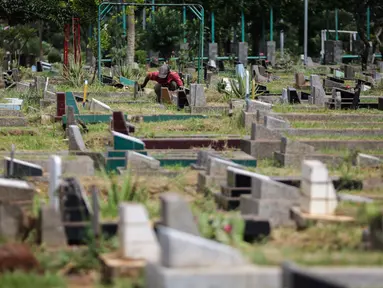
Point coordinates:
pixel 54 180
pixel 96 105
pixel 137 238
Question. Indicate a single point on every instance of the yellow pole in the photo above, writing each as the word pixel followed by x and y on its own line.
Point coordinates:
pixel 85 92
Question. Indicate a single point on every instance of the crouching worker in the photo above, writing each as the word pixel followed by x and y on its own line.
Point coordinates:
pixel 164 78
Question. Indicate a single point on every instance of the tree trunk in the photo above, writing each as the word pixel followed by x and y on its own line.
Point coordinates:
pixel 41 32
pixel 131 37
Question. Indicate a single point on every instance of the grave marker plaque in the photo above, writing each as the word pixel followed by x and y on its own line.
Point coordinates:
pixel 119 123
pixel 60 110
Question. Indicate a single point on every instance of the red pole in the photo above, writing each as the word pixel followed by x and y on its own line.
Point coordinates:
pixel 76 39
pixel 66 45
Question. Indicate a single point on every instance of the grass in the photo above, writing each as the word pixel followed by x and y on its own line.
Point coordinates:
pixel 217 126
pixel 22 280
pixel 337 137
pixel 336 125
pixel 285 108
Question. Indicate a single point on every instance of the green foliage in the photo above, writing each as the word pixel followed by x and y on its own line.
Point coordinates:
pixel 368 212
pixel 239 87
pixel 221 227
pixel 75 74
pixel 141 56
pixel 165 31
pixel 105 41
pixel 54 56
pixel 128 192
pixel 22 280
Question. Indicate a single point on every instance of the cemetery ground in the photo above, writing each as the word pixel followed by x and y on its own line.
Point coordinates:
pixel 319 244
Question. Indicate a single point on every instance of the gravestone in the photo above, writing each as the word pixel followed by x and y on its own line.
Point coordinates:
pixel 197 95
pixel 216 167
pixel 203 157
pixel 253 105
pixel 74 203
pixel 380 103
pixel 137 161
pixel 165 96
pixel 271 57
pixel 176 214
pixel 333 52
pixel 182 99
pixel 119 123
pixel 292 95
pixel 318 193
pixel 275 123
pixel 71 119
pixel 71 101
pixel 55 169
pixel 76 142
pixel 98 106
pixel 137 238
pixel 125 142
pixel 257 75
pixel 349 72
pixel 21 169
pixel 329 83
pixel 184 250
pixel 60 111
pixel 243 49
pixel 300 80
pixel 51 229
pixel 11 222
pixel 16 191
pixel 317 91
pixel 213 51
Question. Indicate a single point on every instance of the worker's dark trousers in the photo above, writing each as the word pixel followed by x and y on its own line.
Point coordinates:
pixel 172 86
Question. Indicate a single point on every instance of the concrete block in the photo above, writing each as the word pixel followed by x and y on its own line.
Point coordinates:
pixel 248 119
pixel 76 142
pixel 276 211
pixel 176 214
pixel 137 238
pixel 98 106
pixel 318 190
pixel 15 191
pixel 51 228
pixel 197 94
pixel 135 160
pixel 275 123
pixel 269 189
pixel 314 171
pixel 218 167
pixel 11 222
pixel 364 160
pixel 183 250
pixel 157 276
pixel 289 146
pixel 260 149
pixel 259 132
pixel 318 207
pixel 261 116
pixel 271 52
pixel 253 105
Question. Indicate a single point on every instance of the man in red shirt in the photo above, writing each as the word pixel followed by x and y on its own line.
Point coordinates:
pixel 164 78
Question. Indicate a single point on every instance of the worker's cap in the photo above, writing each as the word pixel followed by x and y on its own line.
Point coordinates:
pixel 163 71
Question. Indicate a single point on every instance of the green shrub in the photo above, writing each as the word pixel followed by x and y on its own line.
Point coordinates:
pixel 141 56
pixel 54 56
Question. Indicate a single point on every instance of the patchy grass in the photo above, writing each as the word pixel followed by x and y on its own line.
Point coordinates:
pixel 217 126
pixel 337 125
pixel 306 109
pixel 22 280
pixel 331 244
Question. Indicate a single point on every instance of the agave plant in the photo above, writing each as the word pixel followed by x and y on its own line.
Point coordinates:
pixel 239 86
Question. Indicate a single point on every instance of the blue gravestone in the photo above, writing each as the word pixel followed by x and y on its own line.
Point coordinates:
pixel 71 101
pixel 125 142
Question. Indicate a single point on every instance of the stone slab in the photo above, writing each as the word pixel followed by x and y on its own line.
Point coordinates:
pixel 98 106
pixel 11 222
pixel 15 191
pixel 76 142
pixel 218 167
pixel 13 122
pixel 275 123
pixel 183 250
pixel 51 228
pixel 260 132
pixel 253 105
pixel 176 214
pixel 364 160
pixel 138 161
pixel 237 276
pixel 261 149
